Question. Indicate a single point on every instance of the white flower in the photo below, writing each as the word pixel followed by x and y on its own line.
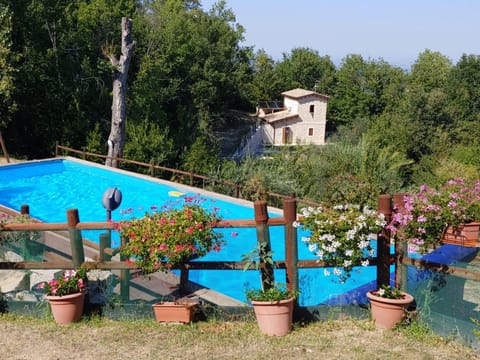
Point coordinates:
pixel 380 292
pixel 365 262
pixel 326 272
pixel 312 247
pixel 347 263
pixel 327 237
pixel 337 271
pixel 306 239
pixel 349 253
pixel 363 244
pixel 320 254
pixel 351 234
pixel 296 224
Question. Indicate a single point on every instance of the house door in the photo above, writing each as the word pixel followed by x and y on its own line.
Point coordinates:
pixel 287 136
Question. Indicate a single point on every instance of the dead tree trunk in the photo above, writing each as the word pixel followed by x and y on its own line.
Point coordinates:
pixel 116 139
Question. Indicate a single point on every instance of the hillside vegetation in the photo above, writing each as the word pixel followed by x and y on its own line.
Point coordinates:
pixel 392 127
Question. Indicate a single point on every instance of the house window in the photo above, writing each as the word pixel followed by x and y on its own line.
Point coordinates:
pixel 310 131
pixel 312 108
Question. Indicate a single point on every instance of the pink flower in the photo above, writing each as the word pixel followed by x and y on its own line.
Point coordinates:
pixel 81 283
pixel 422 218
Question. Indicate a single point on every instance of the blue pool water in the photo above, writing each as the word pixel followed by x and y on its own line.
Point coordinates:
pixel 52 187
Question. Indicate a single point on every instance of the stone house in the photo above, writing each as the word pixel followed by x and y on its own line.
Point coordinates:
pixel 300 120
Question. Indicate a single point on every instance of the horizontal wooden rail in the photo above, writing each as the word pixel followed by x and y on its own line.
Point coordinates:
pixel 35 226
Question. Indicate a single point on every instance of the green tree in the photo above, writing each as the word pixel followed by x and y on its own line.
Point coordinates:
pixel 7 70
pixel 60 82
pixel 149 143
pixel 305 68
pixel 266 83
pixel 365 89
pixel 191 69
pixel 202 157
pixel 427 100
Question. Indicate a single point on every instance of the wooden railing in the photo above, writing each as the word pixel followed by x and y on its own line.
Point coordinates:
pixel 176 174
pixel 261 222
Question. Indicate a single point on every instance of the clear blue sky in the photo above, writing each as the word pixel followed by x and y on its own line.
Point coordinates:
pixel 395 30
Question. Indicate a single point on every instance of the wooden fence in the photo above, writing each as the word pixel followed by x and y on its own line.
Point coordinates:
pixel 261 222
pixel 189 178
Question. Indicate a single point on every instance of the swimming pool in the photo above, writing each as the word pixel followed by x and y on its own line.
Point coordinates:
pixel 50 187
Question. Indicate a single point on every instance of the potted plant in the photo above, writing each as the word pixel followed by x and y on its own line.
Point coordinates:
pixel 430 217
pixel 273 303
pixel 168 237
pixel 65 293
pixel 181 311
pixel 340 236
pixel 388 306
pixel 273 307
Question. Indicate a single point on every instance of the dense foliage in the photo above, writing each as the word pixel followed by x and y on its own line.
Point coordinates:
pixel 393 127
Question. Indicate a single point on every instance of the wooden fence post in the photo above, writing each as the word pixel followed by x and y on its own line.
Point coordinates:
pixel 76 243
pixel 383 242
pixel 124 276
pixel 105 243
pixel 263 239
pixel 400 248
pixel 183 277
pixel 25 210
pixel 291 245
pixel 152 168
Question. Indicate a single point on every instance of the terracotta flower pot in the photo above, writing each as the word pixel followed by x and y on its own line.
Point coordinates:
pixel 274 318
pixel 170 311
pixel 386 313
pixel 68 308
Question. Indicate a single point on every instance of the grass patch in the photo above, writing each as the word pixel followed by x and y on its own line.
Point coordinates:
pixel 100 338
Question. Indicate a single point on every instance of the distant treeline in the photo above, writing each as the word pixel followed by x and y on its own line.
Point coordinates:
pixel 393 127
